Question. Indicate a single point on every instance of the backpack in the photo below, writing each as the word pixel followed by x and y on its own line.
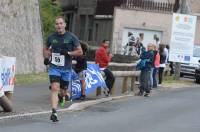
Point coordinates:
pixel 142 64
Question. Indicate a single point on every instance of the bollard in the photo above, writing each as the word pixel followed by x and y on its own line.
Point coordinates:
pixel 9 95
pixel 6 104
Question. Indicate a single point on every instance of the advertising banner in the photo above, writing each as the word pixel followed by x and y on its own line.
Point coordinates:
pixel 1 82
pixel 7 74
pixel 93 80
pixel 182 38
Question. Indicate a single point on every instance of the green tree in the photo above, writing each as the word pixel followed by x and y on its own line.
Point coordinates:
pixel 49 12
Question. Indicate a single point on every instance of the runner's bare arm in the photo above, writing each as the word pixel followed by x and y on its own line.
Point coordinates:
pixel 77 52
pixel 46 52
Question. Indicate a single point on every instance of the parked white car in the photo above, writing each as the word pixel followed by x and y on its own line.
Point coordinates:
pixel 189 68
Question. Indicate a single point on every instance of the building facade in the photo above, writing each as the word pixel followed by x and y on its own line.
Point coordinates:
pixel 92 20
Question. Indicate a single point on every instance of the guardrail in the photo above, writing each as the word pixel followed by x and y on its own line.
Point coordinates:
pixel 113 64
pixel 127 74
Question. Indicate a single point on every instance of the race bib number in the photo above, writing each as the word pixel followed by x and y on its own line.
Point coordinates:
pixel 57 59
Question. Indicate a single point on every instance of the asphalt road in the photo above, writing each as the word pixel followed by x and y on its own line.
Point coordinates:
pixel 36 98
pixel 166 111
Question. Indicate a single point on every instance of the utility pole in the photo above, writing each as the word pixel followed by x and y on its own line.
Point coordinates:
pixel 184 9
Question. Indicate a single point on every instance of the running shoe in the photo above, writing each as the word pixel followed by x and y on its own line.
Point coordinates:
pixel 147 95
pixel 62 102
pixel 54 117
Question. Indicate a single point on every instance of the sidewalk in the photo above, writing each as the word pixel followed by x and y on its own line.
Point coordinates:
pixel 34 98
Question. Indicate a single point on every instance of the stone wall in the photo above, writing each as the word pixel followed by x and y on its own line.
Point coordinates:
pixel 20 34
pixel 195 6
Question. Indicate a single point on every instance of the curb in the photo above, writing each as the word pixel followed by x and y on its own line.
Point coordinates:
pixel 71 108
pixel 83 105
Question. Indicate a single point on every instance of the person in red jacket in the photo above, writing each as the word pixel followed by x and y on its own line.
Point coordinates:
pixel 102 57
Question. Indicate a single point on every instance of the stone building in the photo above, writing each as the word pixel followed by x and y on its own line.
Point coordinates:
pixel 147 20
pixel 92 20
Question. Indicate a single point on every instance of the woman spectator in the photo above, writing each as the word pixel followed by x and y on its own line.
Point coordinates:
pixel 151 50
pixel 162 63
pixel 156 66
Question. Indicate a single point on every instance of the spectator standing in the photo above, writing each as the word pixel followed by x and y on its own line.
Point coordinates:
pixel 157 40
pixel 146 72
pixel 166 50
pixel 151 51
pixel 141 35
pixel 58 52
pixel 81 67
pixel 162 63
pixel 156 66
pixel 140 43
pixel 102 57
pixel 129 47
pixel 170 62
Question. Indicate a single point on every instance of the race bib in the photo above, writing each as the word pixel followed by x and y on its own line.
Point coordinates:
pixel 57 59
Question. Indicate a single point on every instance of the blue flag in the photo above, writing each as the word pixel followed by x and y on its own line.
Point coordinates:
pixel 93 80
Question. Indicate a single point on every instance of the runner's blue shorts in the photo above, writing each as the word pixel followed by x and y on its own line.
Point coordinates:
pixel 63 74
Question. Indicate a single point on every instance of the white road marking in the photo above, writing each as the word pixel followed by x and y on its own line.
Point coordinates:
pixel 73 107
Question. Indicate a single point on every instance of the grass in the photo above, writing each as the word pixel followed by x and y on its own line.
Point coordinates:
pixel 170 79
pixel 25 79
